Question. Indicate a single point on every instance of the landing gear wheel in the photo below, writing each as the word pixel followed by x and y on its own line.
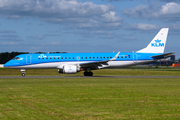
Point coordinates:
pixel 88 73
pixel 23 74
pixel 85 73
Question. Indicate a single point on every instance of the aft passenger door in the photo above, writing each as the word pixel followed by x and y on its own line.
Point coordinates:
pixel 135 57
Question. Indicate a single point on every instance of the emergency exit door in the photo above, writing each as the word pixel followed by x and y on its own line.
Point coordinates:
pixel 28 59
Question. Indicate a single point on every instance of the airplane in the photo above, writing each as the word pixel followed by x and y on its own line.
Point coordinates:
pixel 71 63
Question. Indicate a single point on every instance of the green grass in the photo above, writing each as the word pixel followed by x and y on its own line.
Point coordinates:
pixel 133 71
pixel 90 98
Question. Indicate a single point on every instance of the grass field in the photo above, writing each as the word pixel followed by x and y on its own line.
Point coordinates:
pixel 90 98
pixel 132 71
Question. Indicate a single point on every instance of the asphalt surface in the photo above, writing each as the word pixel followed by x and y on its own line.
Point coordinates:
pixel 20 77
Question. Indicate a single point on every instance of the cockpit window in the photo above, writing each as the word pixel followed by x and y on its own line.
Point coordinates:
pixel 16 58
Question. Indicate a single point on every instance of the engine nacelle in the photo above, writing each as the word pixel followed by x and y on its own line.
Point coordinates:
pixel 69 69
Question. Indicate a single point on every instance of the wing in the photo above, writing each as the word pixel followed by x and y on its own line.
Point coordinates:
pixel 163 56
pixel 94 65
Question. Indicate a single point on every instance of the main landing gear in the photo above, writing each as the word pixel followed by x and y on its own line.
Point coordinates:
pixel 23 72
pixel 88 73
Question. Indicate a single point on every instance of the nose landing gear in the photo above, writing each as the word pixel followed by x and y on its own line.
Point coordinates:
pixel 23 72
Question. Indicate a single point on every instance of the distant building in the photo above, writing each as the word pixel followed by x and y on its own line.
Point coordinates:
pixel 173 58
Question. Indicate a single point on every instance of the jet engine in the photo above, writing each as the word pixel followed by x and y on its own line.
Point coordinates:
pixel 69 69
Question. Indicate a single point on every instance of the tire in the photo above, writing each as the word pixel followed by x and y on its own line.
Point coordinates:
pixel 85 73
pixel 23 74
pixel 88 73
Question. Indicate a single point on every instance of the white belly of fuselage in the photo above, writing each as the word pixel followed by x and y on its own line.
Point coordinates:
pixel 54 65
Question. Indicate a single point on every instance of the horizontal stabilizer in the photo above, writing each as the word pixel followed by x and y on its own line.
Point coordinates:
pixel 163 56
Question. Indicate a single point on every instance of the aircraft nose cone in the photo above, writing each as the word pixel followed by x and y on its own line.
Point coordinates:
pixel 7 65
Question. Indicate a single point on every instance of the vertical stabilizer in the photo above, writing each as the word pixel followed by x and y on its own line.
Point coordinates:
pixel 157 45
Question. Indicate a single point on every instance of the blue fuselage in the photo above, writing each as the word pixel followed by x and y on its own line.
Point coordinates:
pixel 32 61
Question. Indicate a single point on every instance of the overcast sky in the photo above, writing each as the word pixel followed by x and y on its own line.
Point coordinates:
pixel 87 25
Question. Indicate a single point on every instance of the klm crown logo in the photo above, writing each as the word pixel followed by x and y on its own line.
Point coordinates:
pixel 157 43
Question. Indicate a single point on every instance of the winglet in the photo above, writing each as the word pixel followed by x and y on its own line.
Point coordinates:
pixel 114 58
